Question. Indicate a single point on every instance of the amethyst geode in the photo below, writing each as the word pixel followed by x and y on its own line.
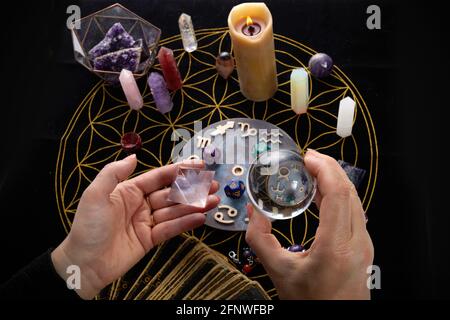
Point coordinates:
pixel 115 39
pixel 117 51
pixel 118 60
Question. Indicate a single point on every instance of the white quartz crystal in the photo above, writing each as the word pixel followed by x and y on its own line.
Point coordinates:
pixel 345 117
pixel 187 33
pixel 299 90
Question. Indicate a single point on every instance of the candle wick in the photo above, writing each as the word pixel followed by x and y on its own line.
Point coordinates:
pixel 251 29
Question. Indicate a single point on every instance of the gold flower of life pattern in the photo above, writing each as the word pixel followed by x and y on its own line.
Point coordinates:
pixel 92 137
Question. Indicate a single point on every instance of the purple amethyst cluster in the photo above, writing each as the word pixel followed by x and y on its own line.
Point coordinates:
pixel 118 60
pixel 117 51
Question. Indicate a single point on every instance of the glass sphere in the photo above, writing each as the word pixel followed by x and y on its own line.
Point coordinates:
pixel 279 185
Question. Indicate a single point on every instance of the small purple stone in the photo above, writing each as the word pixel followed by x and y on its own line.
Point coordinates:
pixel 247 254
pixel 320 65
pixel 211 154
pixel 115 39
pixel 160 93
pixel 296 248
pixel 118 60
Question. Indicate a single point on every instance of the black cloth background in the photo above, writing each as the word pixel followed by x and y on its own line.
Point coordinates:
pixel 400 70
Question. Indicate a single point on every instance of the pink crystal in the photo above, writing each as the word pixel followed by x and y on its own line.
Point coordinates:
pixel 170 69
pixel 131 89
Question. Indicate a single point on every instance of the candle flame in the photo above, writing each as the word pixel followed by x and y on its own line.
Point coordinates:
pixel 249 21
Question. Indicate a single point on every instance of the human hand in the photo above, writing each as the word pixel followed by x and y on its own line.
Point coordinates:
pixel 335 265
pixel 118 221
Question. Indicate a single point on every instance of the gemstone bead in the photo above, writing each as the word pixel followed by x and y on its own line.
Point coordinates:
pixel 247 254
pixel 234 189
pixel 247 268
pixel 211 154
pixel 320 65
pixel 296 248
pixel 259 148
pixel 131 142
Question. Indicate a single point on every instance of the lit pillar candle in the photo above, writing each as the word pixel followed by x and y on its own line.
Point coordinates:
pixel 299 90
pixel 251 33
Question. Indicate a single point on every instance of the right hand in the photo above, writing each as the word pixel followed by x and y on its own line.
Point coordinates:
pixel 335 265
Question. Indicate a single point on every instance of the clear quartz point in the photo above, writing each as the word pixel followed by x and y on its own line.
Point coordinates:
pixel 187 32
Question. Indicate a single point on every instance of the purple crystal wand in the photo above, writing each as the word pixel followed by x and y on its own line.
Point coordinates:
pixel 160 93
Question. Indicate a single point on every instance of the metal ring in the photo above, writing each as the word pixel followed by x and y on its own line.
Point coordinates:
pixel 193 157
pixel 238 170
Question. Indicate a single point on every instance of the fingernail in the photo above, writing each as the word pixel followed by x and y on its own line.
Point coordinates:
pixel 192 161
pixel 214 197
pixel 132 156
pixel 311 151
pixel 312 155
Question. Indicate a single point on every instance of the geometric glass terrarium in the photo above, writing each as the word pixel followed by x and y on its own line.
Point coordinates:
pixel 115 38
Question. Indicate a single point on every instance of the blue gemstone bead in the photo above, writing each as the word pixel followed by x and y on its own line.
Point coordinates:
pixel 234 189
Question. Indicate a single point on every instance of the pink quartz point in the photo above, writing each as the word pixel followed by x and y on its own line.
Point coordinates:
pixel 170 69
pixel 131 89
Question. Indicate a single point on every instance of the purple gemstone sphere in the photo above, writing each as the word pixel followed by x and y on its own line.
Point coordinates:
pixel 320 65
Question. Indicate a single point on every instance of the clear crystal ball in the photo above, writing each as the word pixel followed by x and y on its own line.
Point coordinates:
pixel 279 185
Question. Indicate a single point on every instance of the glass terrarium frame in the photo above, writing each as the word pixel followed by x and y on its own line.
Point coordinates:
pixel 92 30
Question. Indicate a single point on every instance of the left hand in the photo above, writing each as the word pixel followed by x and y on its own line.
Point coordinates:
pixel 118 221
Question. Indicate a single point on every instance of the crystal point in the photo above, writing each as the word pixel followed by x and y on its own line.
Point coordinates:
pixel 131 89
pixel 299 90
pixel 224 64
pixel 187 32
pixel 345 117
pixel 170 69
pixel 160 93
